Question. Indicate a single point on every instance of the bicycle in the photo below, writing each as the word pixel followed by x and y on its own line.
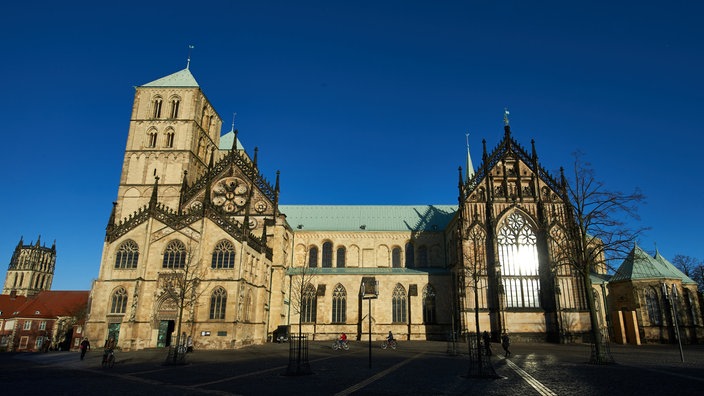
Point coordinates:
pixel 340 345
pixel 108 359
pixel 388 343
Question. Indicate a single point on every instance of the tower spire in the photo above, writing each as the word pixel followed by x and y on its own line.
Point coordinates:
pixel 507 127
pixel 188 62
pixel 470 167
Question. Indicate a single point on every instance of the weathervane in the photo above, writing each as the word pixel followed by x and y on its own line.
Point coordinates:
pixel 506 113
pixel 188 62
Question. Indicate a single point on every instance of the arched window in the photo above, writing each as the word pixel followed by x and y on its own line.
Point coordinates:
pixel 653 306
pixel 422 256
pixel 410 257
pixel 169 139
pixel 218 302
pixel 223 255
pixel 151 138
pixel 157 107
pixel 127 255
pixel 174 255
pixel 398 304
pixel 396 257
pixel 119 301
pixel 341 256
pixel 327 255
pixel 308 305
pixel 339 304
pixel 313 257
pixel 518 255
pixel 429 304
pixel 175 102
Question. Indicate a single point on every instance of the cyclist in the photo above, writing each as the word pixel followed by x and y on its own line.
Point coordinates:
pixel 109 346
pixel 343 339
pixel 390 337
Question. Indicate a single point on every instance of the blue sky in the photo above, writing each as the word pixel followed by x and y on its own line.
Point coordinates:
pixel 364 102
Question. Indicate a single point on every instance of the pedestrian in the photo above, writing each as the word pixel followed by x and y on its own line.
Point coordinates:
pixel 487 343
pixel 189 344
pixel 505 343
pixel 85 347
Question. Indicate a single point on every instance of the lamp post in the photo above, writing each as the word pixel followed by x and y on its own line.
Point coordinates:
pixel 368 291
pixel 671 298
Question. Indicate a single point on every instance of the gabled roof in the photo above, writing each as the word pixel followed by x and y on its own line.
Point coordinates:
pixel 372 217
pixel 51 304
pixel 508 146
pixel 182 78
pixel 639 265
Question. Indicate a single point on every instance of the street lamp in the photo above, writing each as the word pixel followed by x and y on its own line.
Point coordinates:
pixel 369 291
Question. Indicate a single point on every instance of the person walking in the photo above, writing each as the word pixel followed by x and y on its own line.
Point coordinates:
pixel 487 343
pixel 85 347
pixel 505 343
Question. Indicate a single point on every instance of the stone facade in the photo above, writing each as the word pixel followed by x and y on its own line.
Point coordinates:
pixel 198 245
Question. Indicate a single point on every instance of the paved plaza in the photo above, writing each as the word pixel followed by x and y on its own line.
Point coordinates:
pixel 415 368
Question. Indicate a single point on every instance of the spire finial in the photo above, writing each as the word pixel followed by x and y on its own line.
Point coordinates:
pixel 188 62
pixel 470 167
pixel 506 113
pixel 233 121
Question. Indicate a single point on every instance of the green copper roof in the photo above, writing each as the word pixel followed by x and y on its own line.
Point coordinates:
pixel 226 141
pixel 639 265
pixel 182 78
pixel 368 217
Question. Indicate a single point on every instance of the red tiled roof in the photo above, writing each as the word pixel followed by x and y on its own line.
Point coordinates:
pixel 10 304
pixel 51 304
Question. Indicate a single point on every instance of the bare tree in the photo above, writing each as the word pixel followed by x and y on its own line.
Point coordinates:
pixel 303 300
pixel 691 267
pixel 599 231
pixel 303 293
pixel 183 286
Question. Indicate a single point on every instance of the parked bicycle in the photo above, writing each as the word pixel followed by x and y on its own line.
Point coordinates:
pixel 386 344
pixel 340 345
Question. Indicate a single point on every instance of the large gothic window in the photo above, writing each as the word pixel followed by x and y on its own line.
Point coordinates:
pixel 341 255
pixel 127 255
pixel 518 255
pixel 339 304
pixel 119 301
pixel 223 255
pixel 398 305
pixel 218 302
pixel 174 255
pixel 410 258
pixel 313 257
pixel 429 304
pixel 653 306
pixel 327 254
pixel 308 305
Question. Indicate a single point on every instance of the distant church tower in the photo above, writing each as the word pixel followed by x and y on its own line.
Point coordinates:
pixel 31 269
pixel 174 133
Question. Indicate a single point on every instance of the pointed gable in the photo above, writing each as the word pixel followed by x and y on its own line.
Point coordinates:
pixel 511 173
pixel 183 79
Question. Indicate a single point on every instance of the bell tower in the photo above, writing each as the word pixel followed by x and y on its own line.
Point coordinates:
pixel 31 269
pixel 173 129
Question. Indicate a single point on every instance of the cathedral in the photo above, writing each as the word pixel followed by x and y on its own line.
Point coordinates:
pixel 198 245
